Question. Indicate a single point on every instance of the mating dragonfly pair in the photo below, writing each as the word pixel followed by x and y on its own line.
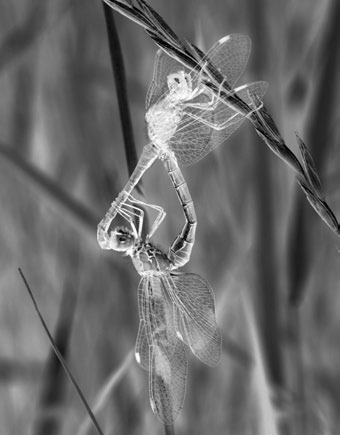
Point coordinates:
pixel 186 121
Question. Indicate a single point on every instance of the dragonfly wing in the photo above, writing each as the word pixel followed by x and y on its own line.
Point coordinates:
pixel 230 56
pixel 168 379
pixel 142 347
pixel 143 341
pixel 245 91
pixel 193 140
pixel 168 362
pixel 207 350
pixel 194 316
pixel 195 137
pixel 221 114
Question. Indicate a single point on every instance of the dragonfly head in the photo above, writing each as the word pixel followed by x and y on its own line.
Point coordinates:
pixel 122 239
pixel 180 85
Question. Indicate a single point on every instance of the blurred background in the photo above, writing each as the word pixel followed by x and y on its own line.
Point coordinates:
pixel 273 264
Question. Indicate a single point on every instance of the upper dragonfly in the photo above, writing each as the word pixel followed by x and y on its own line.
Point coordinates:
pixel 185 119
pixel 175 309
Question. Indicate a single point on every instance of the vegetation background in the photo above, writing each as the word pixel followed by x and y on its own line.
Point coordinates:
pixel 272 262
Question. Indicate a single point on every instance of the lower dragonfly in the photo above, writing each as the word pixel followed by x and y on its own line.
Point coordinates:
pixel 175 309
pixel 185 119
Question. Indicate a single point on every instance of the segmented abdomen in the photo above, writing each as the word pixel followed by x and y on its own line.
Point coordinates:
pixel 180 250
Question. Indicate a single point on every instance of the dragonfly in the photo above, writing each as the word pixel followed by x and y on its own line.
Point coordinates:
pixel 185 119
pixel 176 309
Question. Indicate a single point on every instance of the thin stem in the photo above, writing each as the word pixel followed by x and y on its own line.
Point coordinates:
pixel 118 70
pixel 60 357
pixel 265 255
pixel 54 383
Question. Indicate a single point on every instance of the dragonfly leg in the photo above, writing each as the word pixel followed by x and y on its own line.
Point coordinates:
pixel 117 207
pixel 217 127
pixel 148 156
pixel 207 105
pixel 159 218
pixel 228 121
pixel 132 213
pixel 258 104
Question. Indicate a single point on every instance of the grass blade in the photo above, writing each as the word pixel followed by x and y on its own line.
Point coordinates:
pixel 120 81
pixel 265 258
pixel 54 383
pixel 106 390
pixel 13 370
pixel 130 12
pixel 78 215
pixel 319 126
pixel 160 24
pixel 23 36
pixel 309 167
pixel 267 420
pixel 60 357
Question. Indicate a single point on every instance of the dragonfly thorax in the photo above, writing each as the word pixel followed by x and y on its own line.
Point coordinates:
pixel 149 260
pixel 162 120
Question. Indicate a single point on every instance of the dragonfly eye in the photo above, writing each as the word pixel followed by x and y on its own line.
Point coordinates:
pixel 122 239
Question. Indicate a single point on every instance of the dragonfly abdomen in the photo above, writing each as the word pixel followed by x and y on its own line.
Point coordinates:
pixel 180 250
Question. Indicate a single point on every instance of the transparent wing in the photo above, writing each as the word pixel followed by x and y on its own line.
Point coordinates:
pixel 194 139
pixel 194 316
pixel 143 341
pixel 229 55
pixel 142 347
pixel 167 358
pixel 199 130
